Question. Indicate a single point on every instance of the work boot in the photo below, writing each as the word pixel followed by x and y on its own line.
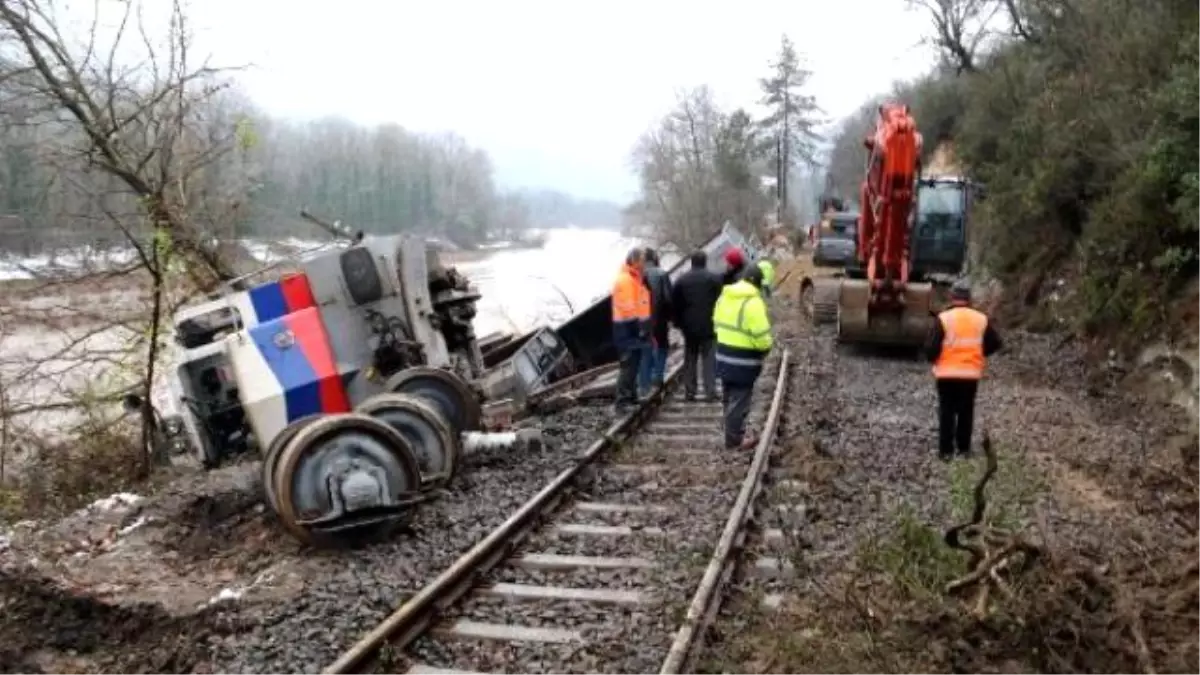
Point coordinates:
pixel 964 453
pixel 749 442
pixel 689 398
pixel 945 456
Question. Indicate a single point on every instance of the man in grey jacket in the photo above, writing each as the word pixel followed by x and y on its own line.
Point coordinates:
pixel 653 369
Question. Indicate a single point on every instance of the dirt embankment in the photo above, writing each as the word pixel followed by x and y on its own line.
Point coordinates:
pixel 1100 483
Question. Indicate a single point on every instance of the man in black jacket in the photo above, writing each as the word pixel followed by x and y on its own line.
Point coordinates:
pixel 654 368
pixel 694 297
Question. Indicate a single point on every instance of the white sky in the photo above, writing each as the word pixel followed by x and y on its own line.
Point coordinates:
pixel 556 92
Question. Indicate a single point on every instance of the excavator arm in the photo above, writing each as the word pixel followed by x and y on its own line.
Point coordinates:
pixel 881 299
pixel 888 197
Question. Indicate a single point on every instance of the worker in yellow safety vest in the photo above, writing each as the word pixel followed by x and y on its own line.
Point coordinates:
pixel 768 274
pixel 958 346
pixel 743 341
pixel 630 325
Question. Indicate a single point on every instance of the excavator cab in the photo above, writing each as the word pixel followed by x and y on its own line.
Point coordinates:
pixel 939 243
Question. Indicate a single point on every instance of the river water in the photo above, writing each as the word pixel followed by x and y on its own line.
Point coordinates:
pixel 525 288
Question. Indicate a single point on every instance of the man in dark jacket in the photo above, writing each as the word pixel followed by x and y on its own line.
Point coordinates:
pixel 958 346
pixel 694 297
pixel 654 367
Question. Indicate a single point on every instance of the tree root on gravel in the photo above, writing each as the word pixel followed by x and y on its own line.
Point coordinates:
pixel 1076 614
pixel 991 549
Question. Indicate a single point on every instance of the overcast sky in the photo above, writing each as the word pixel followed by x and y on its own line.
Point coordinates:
pixel 556 92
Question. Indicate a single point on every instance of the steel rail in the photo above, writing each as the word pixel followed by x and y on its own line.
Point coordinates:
pixel 410 619
pixel 703 606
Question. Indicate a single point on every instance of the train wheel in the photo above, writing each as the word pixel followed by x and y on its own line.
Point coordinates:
pixel 428 432
pixel 271 456
pixel 340 464
pixel 443 390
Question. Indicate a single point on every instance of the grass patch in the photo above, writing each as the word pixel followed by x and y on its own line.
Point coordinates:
pixel 912 559
pixel 886 609
pixel 56 478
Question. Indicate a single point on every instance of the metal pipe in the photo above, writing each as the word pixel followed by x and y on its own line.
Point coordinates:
pixel 474 441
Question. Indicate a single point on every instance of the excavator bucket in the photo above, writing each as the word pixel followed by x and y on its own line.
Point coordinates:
pixel 904 326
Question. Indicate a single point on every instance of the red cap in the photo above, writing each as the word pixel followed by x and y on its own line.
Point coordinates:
pixel 734 257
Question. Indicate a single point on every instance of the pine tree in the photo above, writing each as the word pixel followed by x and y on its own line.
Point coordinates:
pixel 789 129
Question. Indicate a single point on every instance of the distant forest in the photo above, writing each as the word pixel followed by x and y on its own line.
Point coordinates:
pixel 551 208
pixel 378 179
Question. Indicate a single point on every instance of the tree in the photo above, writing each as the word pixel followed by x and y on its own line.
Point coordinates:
pixel 736 168
pixel 960 27
pixel 697 171
pixel 151 133
pixel 789 128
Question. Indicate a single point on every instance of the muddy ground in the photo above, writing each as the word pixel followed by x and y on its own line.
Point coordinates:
pixel 201 578
pixel 1101 480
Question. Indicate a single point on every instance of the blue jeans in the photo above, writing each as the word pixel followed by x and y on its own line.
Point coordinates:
pixel 652 368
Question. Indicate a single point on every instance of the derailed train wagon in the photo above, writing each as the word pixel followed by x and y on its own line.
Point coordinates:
pixel 353 375
pixel 587 336
pixel 544 361
pixel 360 379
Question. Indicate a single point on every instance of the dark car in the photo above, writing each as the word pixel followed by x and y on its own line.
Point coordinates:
pixel 837 240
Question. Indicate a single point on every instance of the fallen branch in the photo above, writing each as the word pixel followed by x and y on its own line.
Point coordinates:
pixel 991 550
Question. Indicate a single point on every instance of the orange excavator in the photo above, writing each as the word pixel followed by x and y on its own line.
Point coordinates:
pixel 886 292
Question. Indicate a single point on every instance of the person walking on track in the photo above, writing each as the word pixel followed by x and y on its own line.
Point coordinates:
pixel 631 326
pixel 958 346
pixel 694 298
pixel 654 367
pixel 744 339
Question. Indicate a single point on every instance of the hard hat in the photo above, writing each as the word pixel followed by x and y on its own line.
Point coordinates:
pixel 961 290
pixel 735 257
pixel 768 271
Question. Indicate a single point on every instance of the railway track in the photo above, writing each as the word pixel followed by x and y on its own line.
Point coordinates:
pixel 617 565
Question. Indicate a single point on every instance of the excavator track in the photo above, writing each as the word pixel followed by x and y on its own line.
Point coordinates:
pixel 820 300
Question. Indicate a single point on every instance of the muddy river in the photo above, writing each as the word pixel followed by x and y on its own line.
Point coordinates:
pixel 527 287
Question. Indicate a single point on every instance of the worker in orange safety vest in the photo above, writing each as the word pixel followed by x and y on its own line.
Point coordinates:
pixel 631 325
pixel 958 346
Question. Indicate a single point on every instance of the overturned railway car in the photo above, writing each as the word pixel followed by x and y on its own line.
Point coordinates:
pixel 354 375
pixel 525 369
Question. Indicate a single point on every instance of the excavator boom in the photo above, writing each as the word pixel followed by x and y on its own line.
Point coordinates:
pixel 888 196
pixel 911 233
pixel 878 302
